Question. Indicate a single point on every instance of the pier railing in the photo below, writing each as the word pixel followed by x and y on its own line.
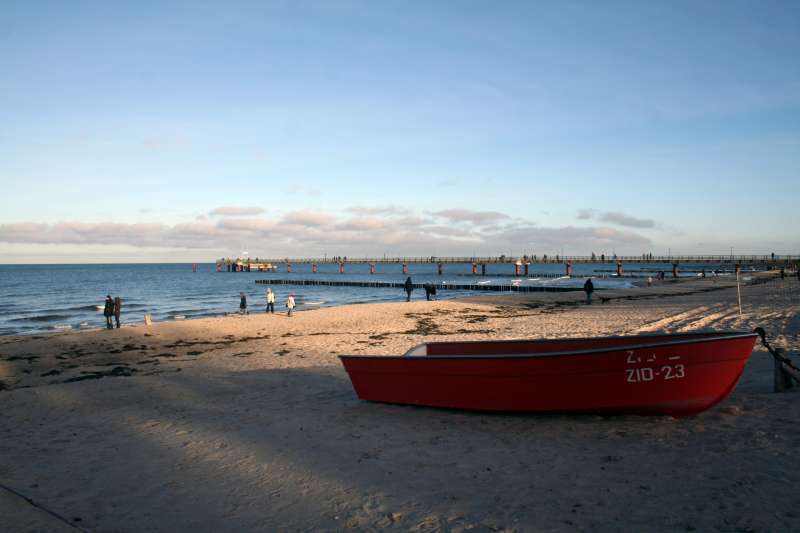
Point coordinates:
pixel 529 259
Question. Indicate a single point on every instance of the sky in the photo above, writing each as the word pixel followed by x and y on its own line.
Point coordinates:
pixel 187 131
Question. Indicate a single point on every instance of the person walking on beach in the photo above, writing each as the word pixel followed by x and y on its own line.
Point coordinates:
pixel 589 288
pixel 430 291
pixel 270 301
pixel 117 309
pixel 290 304
pixel 408 286
pixel 108 311
pixel 242 304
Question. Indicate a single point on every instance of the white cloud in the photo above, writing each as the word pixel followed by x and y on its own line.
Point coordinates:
pixel 229 211
pixel 312 219
pixel 468 215
pixel 307 233
pixel 616 218
pixel 386 210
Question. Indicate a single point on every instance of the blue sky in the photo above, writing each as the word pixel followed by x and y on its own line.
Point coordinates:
pixel 410 127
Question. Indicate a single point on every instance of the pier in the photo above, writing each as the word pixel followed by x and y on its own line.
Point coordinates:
pixel 521 265
pixel 401 285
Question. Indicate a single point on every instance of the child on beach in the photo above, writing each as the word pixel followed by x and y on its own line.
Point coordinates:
pixel 242 303
pixel 270 301
pixel 290 304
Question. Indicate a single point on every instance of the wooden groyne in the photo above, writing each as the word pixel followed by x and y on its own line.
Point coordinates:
pixel 401 285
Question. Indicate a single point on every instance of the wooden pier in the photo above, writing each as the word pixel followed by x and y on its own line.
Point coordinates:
pixel 520 265
pixel 401 285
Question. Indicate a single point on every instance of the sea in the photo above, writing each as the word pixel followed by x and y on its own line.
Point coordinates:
pixel 42 298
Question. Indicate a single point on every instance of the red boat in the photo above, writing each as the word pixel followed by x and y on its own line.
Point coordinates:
pixel 669 374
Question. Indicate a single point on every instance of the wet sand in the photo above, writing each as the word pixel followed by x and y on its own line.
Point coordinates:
pixel 250 423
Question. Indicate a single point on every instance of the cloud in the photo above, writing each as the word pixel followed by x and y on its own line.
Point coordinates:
pixel 365 223
pixel 467 215
pixel 229 211
pixel 582 240
pixel 386 210
pixel 309 233
pixel 449 231
pixel 616 218
pixel 309 218
pixel 628 221
pixel 410 221
pixel 257 225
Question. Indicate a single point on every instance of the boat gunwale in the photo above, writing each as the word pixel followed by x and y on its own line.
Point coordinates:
pixel 713 336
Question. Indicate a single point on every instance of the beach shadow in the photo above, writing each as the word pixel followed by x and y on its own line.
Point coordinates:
pixel 278 449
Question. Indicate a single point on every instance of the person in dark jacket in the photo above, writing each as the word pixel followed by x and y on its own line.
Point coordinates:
pixel 409 286
pixel 589 288
pixel 242 303
pixel 108 312
pixel 117 309
pixel 430 291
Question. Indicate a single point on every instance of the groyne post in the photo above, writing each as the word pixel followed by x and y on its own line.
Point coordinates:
pixel 526 269
pixel 782 376
pixel 483 269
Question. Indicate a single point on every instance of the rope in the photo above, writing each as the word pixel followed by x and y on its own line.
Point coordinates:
pixel 782 358
pixel 42 507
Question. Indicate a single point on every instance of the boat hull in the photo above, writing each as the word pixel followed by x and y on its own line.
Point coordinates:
pixel 661 374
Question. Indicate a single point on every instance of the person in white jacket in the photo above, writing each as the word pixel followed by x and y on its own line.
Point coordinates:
pixel 290 303
pixel 270 301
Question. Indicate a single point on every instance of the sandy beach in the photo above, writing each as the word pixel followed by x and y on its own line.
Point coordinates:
pixel 250 423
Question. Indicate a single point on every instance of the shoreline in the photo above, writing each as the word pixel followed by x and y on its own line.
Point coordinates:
pixel 658 289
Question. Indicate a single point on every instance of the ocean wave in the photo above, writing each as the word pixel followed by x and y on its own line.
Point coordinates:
pixel 40 318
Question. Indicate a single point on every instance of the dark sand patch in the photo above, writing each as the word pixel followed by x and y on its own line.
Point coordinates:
pixel 117 371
